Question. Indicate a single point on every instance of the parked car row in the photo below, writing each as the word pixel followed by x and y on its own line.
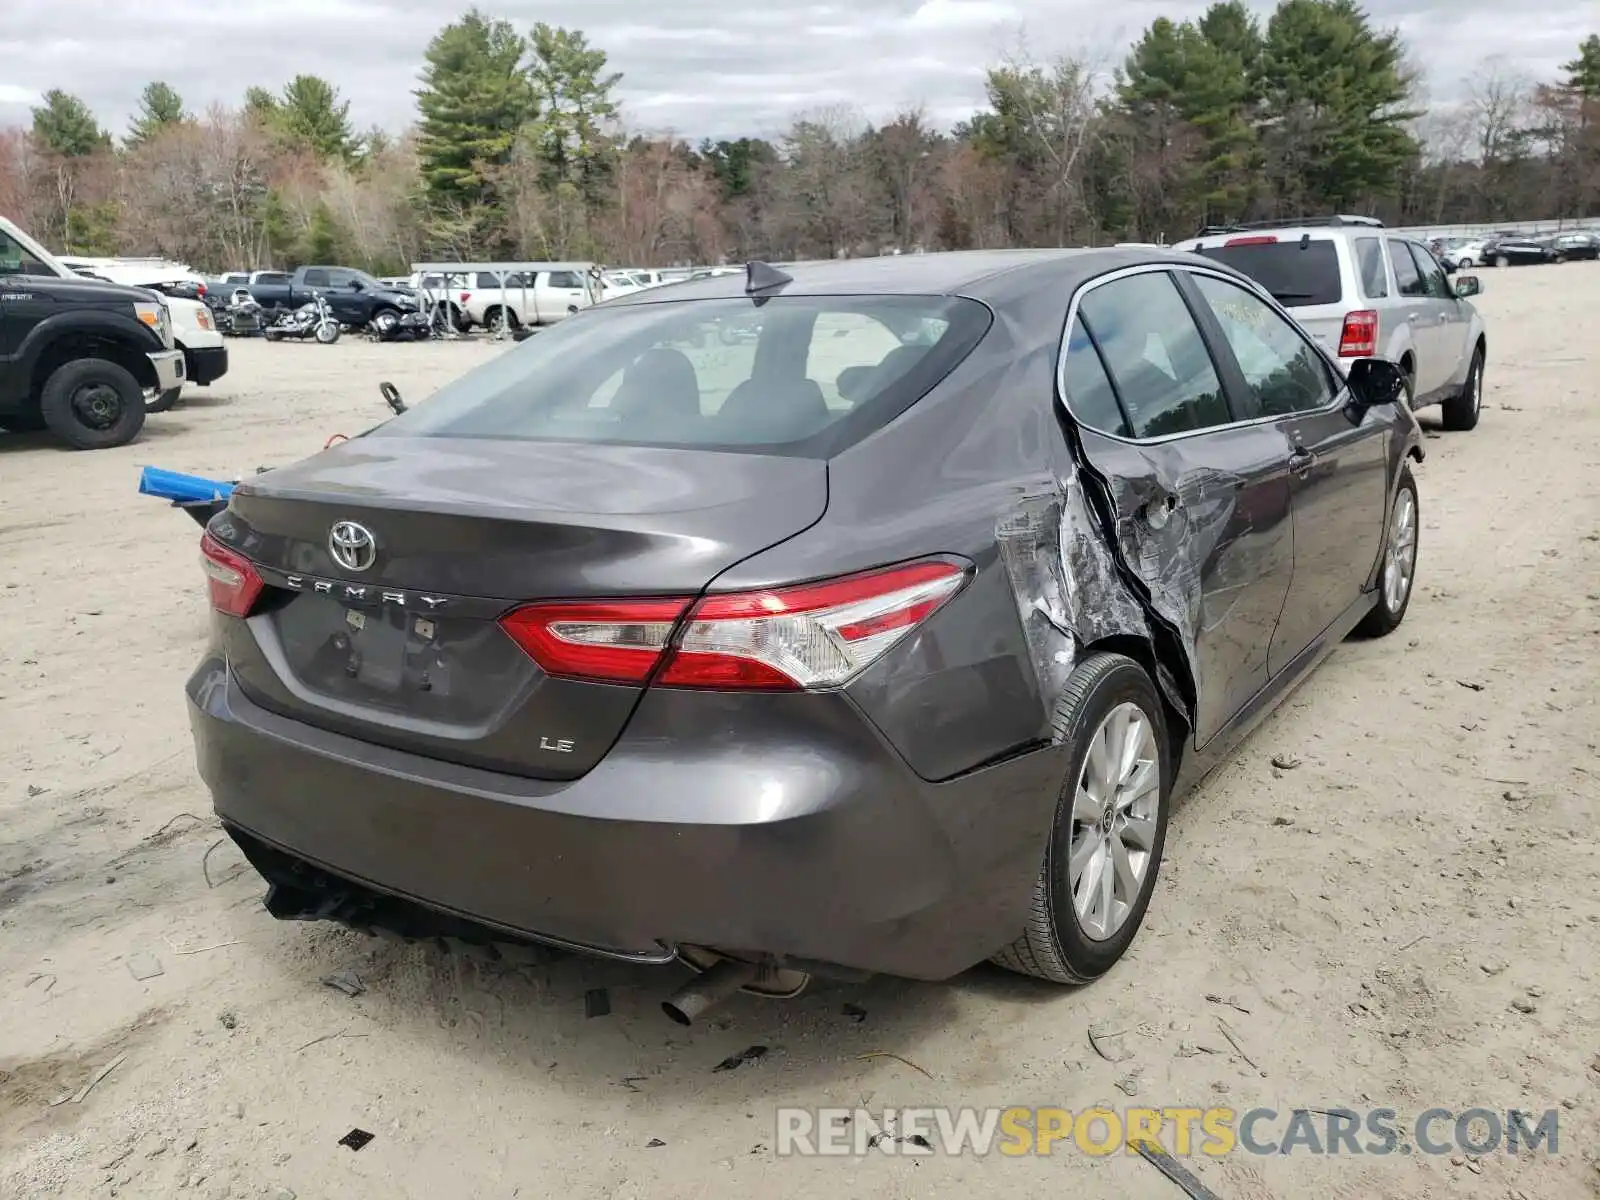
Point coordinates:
pixel 1511 248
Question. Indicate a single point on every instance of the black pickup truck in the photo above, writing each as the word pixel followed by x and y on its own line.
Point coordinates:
pixel 355 297
pixel 78 355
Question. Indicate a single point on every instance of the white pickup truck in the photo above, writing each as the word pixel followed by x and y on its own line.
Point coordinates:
pixel 542 296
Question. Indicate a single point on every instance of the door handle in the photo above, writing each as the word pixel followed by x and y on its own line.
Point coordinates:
pixel 1301 462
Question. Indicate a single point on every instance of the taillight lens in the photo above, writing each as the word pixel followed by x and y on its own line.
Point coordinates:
pixel 815 635
pixel 465 296
pixel 231 581
pixel 1256 240
pixel 608 641
pixel 1359 337
pixel 787 639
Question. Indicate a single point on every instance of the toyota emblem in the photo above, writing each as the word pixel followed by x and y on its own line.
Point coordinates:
pixel 352 546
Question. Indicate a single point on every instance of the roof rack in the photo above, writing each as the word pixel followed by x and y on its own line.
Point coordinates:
pixel 1290 223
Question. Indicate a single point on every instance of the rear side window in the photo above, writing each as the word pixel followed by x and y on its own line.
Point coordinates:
pixel 804 375
pixel 1089 393
pixel 1369 262
pixel 272 277
pixel 316 279
pixel 1406 274
pixel 1295 272
pixel 565 279
pixel 1155 355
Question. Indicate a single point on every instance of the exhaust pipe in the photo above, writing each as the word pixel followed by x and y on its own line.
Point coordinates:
pixel 708 989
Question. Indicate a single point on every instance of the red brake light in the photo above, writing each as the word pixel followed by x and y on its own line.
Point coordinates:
pixel 1254 240
pixel 1359 337
pixel 465 296
pixel 200 289
pixel 787 639
pixel 231 580
pixel 607 641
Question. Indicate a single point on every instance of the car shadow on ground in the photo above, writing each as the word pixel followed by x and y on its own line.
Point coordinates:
pixel 586 1025
pixel 160 427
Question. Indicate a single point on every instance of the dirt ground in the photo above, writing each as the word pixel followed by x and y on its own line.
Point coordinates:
pixel 1409 918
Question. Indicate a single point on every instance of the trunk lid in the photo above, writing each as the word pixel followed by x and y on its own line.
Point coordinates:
pixel 405 651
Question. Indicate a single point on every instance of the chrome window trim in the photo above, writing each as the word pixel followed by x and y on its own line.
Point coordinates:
pixel 1341 393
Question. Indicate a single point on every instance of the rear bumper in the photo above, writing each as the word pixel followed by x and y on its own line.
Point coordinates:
pixel 814 843
pixel 205 364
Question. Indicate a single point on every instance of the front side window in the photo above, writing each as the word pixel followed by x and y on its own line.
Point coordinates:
pixel 1155 355
pixel 1282 370
pixel 1435 282
pixel 807 374
pixel 15 260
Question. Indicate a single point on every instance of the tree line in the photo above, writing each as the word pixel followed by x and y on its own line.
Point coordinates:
pixel 521 150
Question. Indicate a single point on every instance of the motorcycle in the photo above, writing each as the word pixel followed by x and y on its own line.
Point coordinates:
pixel 240 316
pixel 409 326
pixel 312 319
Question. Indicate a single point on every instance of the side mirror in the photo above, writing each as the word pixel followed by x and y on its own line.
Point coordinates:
pixel 1468 285
pixel 1376 381
pixel 355 285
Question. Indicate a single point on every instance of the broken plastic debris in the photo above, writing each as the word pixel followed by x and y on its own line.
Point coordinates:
pixel 145 966
pixel 345 981
pixel 597 1003
pixel 356 1139
pixel 734 1061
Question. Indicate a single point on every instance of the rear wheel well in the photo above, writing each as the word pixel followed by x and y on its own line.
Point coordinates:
pixel 74 346
pixel 1143 651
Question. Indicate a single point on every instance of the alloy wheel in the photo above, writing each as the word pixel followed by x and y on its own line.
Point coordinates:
pixel 1114 811
pixel 1401 554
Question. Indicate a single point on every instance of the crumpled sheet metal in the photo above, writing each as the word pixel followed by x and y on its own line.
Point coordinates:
pixel 1067 584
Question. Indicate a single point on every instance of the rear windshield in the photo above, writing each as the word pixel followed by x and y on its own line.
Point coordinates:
pixel 1295 272
pixel 803 375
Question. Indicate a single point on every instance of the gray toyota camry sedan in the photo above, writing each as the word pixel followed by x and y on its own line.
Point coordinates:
pixel 859 616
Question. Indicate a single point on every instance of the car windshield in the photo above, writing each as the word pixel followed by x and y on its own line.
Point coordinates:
pixel 806 375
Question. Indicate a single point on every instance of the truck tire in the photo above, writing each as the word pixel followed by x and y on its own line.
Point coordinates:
pixel 164 401
pixel 93 404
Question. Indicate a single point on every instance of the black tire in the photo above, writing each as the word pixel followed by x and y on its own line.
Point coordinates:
pixel 497 319
pixel 1055 945
pixel 93 404
pixel 1502 261
pixel 1408 372
pixel 1461 412
pixel 164 401
pixel 1387 614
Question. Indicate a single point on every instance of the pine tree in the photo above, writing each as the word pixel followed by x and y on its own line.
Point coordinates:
pixel 473 103
pixel 160 107
pixel 64 125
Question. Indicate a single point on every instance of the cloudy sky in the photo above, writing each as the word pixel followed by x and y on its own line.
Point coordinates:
pixel 696 67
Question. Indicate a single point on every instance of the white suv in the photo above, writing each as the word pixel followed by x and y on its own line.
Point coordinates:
pixel 1366 292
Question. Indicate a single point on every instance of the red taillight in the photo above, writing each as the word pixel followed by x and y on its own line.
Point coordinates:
pixel 465 296
pixel 231 581
pixel 788 639
pixel 1359 337
pixel 200 289
pixel 1255 240
pixel 608 641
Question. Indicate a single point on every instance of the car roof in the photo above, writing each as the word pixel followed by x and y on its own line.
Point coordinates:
pixel 990 275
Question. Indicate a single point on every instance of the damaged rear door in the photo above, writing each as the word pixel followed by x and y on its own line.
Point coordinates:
pixel 1201 500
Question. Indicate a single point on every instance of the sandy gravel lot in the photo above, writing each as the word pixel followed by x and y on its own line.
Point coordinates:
pixel 1411 917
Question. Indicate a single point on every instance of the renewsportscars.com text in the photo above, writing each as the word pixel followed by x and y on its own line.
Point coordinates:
pixel 1181 1131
